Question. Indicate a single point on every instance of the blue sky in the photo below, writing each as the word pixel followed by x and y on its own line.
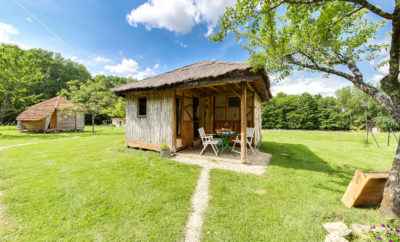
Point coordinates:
pixel 138 38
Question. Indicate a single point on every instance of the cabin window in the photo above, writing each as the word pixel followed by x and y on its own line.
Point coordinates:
pixel 142 107
pixel 234 102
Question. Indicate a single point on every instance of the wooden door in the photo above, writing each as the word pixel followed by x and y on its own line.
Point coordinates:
pixel 187 121
pixel 206 114
pixel 53 120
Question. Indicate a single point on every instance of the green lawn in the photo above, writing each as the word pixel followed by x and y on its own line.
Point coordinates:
pixel 80 187
pixel 302 189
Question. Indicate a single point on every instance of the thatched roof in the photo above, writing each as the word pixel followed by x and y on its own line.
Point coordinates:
pixel 43 109
pixel 197 72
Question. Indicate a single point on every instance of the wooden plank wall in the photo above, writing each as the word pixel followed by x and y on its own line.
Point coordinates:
pixel 68 120
pixel 154 129
pixel 38 125
pixel 229 117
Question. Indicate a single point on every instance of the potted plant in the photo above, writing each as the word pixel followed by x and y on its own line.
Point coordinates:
pixel 164 150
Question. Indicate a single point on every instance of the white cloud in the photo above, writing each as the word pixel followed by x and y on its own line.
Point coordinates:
pixel 75 58
pixel 183 45
pixel 211 10
pixel 127 66
pixel 7 31
pixel 178 15
pixel 29 19
pixel 101 59
pixel 174 15
pixel 325 86
pixel 130 68
pixel 144 73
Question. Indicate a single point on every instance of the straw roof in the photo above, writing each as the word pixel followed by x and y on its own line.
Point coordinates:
pixel 43 109
pixel 201 71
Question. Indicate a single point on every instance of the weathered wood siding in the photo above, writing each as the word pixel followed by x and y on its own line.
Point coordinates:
pixel 70 120
pixel 153 129
pixel 38 125
pixel 257 119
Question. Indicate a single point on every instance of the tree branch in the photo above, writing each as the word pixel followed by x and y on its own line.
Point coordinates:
pixel 373 8
pixel 316 67
pixel 363 3
pixel 357 79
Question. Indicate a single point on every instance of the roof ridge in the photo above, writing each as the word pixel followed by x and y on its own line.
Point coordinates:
pixel 208 62
pixel 57 102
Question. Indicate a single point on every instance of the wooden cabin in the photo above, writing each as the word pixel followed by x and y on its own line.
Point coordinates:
pixel 169 108
pixel 55 114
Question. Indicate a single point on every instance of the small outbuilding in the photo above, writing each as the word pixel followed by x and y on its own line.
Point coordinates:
pixel 118 122
pixel 171 107
pixel 55 114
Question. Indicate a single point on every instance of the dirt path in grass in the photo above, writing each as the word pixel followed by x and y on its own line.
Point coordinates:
pixel 13 146
pixel 34 143
pixel 200 197
pixel 199 206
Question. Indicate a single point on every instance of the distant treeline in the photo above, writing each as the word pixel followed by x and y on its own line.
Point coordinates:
pixel 349 109
pixel 31 76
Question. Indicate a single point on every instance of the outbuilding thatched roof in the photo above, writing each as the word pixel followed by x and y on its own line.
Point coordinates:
pixel 198 72
pixel 43 109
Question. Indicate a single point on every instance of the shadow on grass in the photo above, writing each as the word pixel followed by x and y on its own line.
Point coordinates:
pixel 300 157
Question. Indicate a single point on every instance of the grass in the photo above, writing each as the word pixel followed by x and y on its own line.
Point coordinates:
pixel 80 187
pixel 305 181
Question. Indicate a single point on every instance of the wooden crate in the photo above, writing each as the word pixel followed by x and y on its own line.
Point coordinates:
pixel 365 189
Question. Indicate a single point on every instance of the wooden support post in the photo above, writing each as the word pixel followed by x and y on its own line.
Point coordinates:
pixel 243 123
pixel 173 123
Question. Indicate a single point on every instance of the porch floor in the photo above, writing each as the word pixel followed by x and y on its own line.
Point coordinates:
pixel 256 158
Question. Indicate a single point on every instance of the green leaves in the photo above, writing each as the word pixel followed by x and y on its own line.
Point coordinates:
pixel 280 35
pixel 30 76
pixel 95 95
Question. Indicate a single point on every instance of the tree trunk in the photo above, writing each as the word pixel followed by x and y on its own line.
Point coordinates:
pixel 390 206
pixel 93 117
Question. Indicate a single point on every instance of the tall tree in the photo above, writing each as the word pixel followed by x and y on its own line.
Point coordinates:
pixel 96 97
pixel 328 36
pixel 18 76
pixel 30 76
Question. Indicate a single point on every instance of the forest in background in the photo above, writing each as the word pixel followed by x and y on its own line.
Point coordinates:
pixel 349 109
pixel 31 76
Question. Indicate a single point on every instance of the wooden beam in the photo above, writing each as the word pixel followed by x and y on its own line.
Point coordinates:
pixel 173 122
pixel 250 87
pixel 213 88
pixel 234 91
pixel 243 123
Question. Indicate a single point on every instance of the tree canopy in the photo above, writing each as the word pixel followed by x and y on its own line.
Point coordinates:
pixel 96 97
pixel 346 111
pixel 31 76
pixel 328 36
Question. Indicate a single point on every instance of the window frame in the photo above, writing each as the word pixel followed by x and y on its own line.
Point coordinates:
pixel 139 109
pixel 236 102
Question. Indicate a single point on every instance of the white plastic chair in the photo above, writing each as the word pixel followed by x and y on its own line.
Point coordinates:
pixel 208 140
pixel 249 140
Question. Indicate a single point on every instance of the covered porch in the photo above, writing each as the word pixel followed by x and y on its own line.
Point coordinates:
pixel 170 108
pixel 217 107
